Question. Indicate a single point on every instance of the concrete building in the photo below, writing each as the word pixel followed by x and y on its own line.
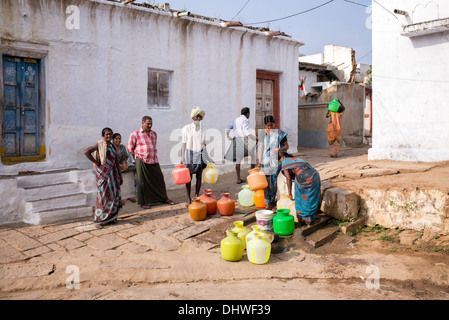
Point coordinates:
pixel 328 75
pixel 71 68
pixel 410 85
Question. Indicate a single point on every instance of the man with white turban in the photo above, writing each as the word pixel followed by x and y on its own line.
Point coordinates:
pixel 193 150
pixel 196 111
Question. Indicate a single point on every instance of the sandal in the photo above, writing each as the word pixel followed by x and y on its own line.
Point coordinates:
pixel 241 181
pixel 132 200
pixel 170 202
pixel 146 206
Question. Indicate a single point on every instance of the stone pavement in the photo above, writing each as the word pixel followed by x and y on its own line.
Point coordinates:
pixel 159 245
pixel 137 232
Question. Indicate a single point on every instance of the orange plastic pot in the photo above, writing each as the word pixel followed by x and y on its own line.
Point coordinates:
pixel 259 199
pixel 210 201
pixel 181 174
pixel 257 179
pixel 226 205
pixel 197 209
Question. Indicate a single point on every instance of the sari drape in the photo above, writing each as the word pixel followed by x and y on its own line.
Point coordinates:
pixel 307 188
pixel 333 133
pixel 108 202
pixel 270 162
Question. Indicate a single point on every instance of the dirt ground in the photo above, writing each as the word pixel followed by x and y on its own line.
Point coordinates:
pixel 146 256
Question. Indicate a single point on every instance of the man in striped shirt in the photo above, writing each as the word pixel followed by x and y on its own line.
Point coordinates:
pixel 142 145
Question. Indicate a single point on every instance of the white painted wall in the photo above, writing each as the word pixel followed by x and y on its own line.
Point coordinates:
pixel 97 76
pixel 410 84
pixel 317 58
pixel 337 56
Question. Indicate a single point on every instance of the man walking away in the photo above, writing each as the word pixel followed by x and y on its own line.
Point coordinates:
pixel 243 143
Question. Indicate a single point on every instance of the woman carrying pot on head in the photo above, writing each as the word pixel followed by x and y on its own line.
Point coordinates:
pixel 275 141
pixel 108 177
pixel 334 113
pixel 307 186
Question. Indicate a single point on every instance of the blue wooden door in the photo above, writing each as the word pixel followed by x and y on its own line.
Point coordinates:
pixel 20 107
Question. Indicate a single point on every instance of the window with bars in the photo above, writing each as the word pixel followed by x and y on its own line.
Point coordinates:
pixel 158 91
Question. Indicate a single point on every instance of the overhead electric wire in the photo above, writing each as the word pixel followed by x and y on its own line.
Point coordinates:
pixel 292 15
pixel 240 10
pixel 385 9
pixel 364 56
pixel 359 4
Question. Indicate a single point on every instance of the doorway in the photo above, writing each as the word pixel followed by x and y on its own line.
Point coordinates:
pixel 267 98
pixel 20 110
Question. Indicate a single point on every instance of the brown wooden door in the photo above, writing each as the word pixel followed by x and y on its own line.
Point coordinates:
pixel 267 98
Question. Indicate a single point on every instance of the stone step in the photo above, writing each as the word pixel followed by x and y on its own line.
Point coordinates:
pixel 78 199
pixel 51 191
pixel 321 236
pixel 45 179
pixel 58 215
pixel 320 222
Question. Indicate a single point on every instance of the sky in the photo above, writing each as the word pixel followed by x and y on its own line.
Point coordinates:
pixel 316 23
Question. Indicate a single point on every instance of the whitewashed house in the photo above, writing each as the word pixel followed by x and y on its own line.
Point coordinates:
pixel 332 74
pixel 70 68
pixel 410 83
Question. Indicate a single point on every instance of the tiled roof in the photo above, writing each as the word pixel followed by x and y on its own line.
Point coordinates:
pixel 199 18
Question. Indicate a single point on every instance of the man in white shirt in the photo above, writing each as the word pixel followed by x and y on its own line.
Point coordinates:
pixel 193 150
pixel 243 142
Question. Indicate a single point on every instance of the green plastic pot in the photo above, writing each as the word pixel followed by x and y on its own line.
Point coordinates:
pixel 283 222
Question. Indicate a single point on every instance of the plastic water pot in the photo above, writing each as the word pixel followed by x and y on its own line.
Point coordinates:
pixel 211 202
pixel 241 230
pixel 246 196
pixel 259 199
pixel 284 202
pixel 333 105
pixel 210 174
pixel 226 205
pixel 283 222
pixel 257 180
pixel 256 229
pixel 197 209
pixel 232 247
pixel 258 250
pixel 181 175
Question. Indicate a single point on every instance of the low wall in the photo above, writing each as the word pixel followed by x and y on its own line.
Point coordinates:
pixel 414 209
pixel 312 121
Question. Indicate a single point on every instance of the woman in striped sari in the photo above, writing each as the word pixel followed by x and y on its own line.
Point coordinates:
pixel 108 178
pixel 307 186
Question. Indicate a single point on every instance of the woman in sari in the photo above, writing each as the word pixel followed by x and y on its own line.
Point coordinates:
pixel 334 129
pixel 124 160
pixel 275 141
pixel 307 186
pixel 108 178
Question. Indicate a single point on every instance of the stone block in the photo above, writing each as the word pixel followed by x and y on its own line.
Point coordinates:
pixel 351 227
pixel 320 237
pixel 340 203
